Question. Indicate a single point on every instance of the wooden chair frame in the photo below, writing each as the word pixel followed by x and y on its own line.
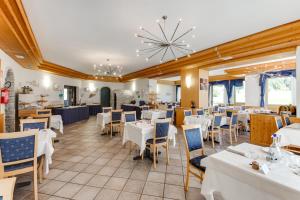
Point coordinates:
pixel 232 128
pixel 106 108
pixel 129 113
pixel 212 132
pixel 189 167
pixel 145 107
pixel 49 112
pixel 25 121
pixel 154 147
pixel 33 168
pixel 284 117
pixel 115 123
pixel 276 123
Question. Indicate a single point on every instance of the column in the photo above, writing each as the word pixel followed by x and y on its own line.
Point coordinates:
pixel 298 80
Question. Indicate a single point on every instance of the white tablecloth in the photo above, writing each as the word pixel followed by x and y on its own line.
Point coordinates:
pixel 45 147
pixel 139 132
pixel 232 175
pixel 153 114
pixel 57 123
pixel 290 135
pixel 103 119
pixel 201 120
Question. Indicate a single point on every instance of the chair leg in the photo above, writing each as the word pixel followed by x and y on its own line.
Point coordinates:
pixel 230 135
pixel 40 170
pixel 213 139
pixel 154 156
pixel 35 184
pixel 167 152
pixel 236 133
pixel 111 130
pixel 187 179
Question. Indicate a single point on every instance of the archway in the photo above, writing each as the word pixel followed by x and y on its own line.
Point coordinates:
pixel 105 97
pixel 10 113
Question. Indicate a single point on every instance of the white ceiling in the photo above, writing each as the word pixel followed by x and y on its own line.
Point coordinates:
pixel 80 33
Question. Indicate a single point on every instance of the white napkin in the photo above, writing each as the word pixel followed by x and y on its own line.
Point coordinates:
pixel 232 149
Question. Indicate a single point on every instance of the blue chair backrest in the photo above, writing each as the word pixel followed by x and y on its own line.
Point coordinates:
pixel 193 138
pixel 234 119
pixel 33 125
pixel 216 108
pixel 217 120
pixel 169 114
pixel 287 121
pixel 279 123
pixel 116 116
pixel 162 129
pixel 15 149
pixel 229 113
pixel 200 112
pixel 170 106
pixel 130 117
pixel 142 103
pixel 187 113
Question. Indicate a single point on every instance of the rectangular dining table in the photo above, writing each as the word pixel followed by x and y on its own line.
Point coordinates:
pixel 290 135
pixel 232 175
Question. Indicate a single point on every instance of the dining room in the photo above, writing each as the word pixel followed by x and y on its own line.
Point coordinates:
pixel 140 100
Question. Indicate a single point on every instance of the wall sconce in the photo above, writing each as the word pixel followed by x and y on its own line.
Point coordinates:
pixel 46 82
pixel 133 87
pixel 188 81
pixel 92 87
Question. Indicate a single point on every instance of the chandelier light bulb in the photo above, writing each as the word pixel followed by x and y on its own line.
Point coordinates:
pixel 194 27
pixel 137 55
pixel 188 55
pixel 114 73
pixel 193 36
pixel 137 51
pixel 187 45
pixel 141 28
pixel 101 65
pixel 147 59
pixel 180 20
pixel 136 35
pixel 183 41
pixel 149 44
pixel 157 21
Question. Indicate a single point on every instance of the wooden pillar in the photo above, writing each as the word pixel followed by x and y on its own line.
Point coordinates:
pixel 298 80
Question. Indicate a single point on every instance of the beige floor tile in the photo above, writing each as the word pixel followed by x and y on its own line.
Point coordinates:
pixel 57 198
pixel 79 167
pixel 156 177
pixel 87 193
pixel 194 194
pixel 148 197
pixel 174 170
pixel 134 186
pixel 93 169
pixel 174 192
pixel 51 187
pixel 54 173
pixel 75 159
pixel 88 160
pixel 68 190
pixel 82 178
pixel 108 194
pixel 123 173
pixel 139 174
pixel 65 165
pixel 114 163
pixel 154 189
pixel 101 161
pixel 66 176
pixel 98 181
pixel 129 196
pixel 107 171
pixel 116 183
pixel 174 179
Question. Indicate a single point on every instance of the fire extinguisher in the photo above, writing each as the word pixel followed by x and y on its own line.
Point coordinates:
pixel 5 93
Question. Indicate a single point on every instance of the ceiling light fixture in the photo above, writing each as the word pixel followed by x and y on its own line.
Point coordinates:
pixel 163 44
pixel 20 56
pixel 107 69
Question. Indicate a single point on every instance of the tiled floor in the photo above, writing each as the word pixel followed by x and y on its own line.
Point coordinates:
pixel 88 166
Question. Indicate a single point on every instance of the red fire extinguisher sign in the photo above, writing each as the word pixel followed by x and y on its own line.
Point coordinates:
pixel 4 96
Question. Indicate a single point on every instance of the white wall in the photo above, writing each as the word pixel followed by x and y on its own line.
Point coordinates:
pixel 252 88
pixel 166 93
pixel 298 80
pixel 26 77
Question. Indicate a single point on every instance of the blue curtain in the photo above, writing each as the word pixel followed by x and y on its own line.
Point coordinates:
pixel 263 79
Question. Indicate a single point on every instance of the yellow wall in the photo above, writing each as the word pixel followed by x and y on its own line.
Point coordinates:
pixel 193 93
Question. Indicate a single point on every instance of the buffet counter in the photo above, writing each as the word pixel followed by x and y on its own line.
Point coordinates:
pixel 94 109
pixel 72 114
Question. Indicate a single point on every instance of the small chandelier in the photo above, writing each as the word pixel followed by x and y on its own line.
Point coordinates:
pixel 107 69
pixel 163 44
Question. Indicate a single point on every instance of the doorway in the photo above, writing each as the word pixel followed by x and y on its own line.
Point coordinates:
pixel 69 95
pixel 105 97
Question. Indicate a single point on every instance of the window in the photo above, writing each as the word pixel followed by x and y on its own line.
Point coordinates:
pixel 239 94
pixel 218 92
pixel 280 90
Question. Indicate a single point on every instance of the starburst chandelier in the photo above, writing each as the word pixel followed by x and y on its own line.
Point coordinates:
pixel 164 44
pixel 107 69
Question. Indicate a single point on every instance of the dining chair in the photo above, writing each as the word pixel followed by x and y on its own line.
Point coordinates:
pixel 145 108
pixel 27 124
pixel 170 115
pixel 169 106
pixel 18 155
pixel 116 119
pixel 43 112
pixel 160 139
pixel 187 112
pixel 231 127
pixel 286 119
pixel 106 109
pixel 229 113
pixel 200 112
pixel 278 122
pixel 215 128
pixel 130 116
pixel 193 142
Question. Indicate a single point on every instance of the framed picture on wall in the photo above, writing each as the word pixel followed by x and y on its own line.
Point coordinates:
pixel 203 84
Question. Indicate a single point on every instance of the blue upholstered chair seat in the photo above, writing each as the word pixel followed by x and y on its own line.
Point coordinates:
pixel 209 129
pixel 157 141
pixel 18 166
pixel 196 162
pixel 225 126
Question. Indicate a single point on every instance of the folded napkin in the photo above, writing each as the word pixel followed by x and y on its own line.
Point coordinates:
pixel 232 149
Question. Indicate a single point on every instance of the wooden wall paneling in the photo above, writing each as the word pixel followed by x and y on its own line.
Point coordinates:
pixel 191 93
pixel 262 126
